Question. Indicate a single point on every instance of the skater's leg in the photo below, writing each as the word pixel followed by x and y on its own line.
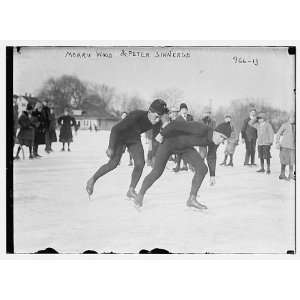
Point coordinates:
pixel 161 159
pixel 109 166
pixel 137 152
pixel 231 160
pixel 200 168
pixel 69 146
pixel 63 148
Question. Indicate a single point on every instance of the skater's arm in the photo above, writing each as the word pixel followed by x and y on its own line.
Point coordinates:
pixel 176 128
pixel 211 159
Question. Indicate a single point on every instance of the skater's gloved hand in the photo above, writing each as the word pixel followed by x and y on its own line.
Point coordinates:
pixel 109 152
pixel 212 180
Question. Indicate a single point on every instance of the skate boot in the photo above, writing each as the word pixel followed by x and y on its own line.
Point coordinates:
pixel 261 171
pixel 69 150
pixel 223 163
pixel 192 202
pixel 138 200
pixel 131 193
pixel 90 186
pixel 230 164
pixel 283 177
pixel 268 171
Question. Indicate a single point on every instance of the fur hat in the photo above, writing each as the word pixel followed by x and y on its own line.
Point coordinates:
pixel 224 128
pixel 183 105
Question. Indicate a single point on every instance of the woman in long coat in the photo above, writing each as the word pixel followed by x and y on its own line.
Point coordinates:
pixel 40 128
pixel 66 122
pixel 52 128
pixel 26 132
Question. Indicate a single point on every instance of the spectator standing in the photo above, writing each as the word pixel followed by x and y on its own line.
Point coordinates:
pixel 265 137
pixel 66 122
pixel 249 137
pixel 287 146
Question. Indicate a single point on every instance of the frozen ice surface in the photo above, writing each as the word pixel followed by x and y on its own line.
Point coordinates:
pixel 247 212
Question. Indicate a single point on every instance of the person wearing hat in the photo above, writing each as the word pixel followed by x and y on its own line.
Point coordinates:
pixel 265 137
pixel 127 133
pixel 286 143
pixel 249 137
pixel 232 142
pixel 183 116
pixel 26 132
pixel 66 122
pixel 52 127
pixel 181 137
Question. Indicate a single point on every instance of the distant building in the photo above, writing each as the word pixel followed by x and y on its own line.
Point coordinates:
pixel 102 120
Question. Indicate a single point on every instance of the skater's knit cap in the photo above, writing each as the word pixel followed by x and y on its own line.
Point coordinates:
pixel 183 105
pixel 159 106
pixel 224 128
pixel 262 115
pixel 29 107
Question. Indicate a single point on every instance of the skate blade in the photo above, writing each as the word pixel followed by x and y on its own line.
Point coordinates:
pixel 201 210
pixel 138 208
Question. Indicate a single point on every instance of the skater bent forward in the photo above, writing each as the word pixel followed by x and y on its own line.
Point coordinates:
pixel 127 134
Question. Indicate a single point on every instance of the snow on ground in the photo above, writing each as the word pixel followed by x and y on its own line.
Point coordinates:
pixel 247 212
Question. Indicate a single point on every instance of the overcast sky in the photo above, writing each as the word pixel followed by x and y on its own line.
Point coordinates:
pixel 200 73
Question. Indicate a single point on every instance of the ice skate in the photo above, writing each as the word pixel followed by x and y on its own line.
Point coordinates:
pixel 192 202
pixel 69 150
pixel 261 171
pixel 138 200
pixel 268 172
pixel 223 163
pixel 230 164
pixel 90 187
pixel 131 193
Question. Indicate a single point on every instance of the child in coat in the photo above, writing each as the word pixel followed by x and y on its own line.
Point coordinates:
pixel 265 137
pixel 286 142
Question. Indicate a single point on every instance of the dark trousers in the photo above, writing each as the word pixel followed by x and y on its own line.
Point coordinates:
pixel 250 151
pixel 190 155
pixel 47 140
pixel 137 152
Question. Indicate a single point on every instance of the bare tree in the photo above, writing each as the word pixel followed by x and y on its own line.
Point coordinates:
pixel 172 96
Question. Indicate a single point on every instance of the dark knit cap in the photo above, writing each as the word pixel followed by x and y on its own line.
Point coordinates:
pixel 183 105
pixel 159 106
pixel 224 128
pixel 29 107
